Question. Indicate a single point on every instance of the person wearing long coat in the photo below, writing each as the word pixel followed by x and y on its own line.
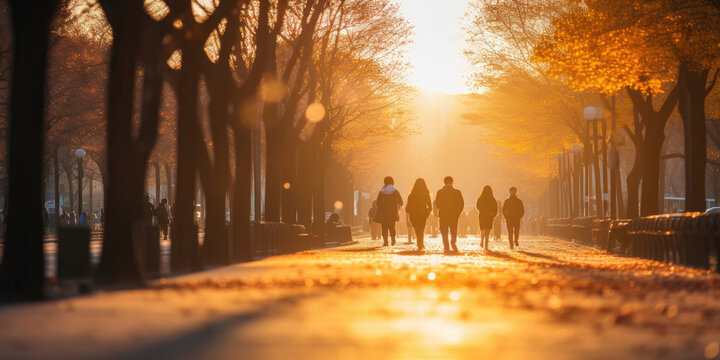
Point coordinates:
pixel 419 206
pixel 389 202
pixel 487 210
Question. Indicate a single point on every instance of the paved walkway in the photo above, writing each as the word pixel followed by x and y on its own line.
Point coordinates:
pixel 548 300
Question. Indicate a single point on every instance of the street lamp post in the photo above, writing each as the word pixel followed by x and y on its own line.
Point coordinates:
pixel 577 184
pixel 593 114
pixel 80 154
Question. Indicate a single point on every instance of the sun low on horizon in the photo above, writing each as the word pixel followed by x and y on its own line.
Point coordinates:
pixel 436 52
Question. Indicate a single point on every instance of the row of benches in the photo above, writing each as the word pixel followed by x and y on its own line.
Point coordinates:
pixel 690 239
pixel 266 238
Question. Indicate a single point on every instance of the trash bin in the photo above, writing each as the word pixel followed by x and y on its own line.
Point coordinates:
pixel 73 253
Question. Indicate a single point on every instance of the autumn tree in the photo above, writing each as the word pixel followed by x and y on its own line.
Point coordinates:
pixel 638 47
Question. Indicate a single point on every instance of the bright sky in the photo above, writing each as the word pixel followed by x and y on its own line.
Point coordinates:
pixel 437 51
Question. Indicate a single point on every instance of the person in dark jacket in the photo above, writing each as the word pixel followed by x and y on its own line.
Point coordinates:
pixel 449 203
pixel 419 206
pixel 148 210
pixel 163 216
pixel 513 211
pixel 487 210
pixel 389 202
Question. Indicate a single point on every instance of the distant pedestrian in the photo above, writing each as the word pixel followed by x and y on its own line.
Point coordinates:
pixel 389 202
pixel 73 219
pixel 163 217
pixel 374 226
pixel 462 224
pixel 513 210
pixel 449 203
pixel 487 211
pixel 497 222
pixel 419 206
pixel 472 223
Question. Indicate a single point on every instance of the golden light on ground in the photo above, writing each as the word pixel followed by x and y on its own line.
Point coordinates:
pixel 315 112
pixel 454 295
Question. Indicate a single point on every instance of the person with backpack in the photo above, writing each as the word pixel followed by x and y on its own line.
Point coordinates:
pixel 418 208
pixel 389 202
pixel 513 211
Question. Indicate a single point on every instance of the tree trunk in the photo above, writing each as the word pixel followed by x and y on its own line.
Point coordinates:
pixel 56 184
pixel 185 250
pixel 598 179
pixel 304 191
pixel 22 272
pixel 289 176
pixel 242 242
pixel 157 183
pixel 125 187
pixel 273 163
pixel 169 182
pixel 692 110
pixel 70 188
pixel 654 137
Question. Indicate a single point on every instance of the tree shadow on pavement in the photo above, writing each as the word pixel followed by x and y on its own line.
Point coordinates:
pixel 193 342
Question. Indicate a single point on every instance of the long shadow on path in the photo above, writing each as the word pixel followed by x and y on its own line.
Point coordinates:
pixel 194 342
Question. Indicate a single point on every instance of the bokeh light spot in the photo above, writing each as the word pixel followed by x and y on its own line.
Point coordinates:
pixel 712 350
pixel 454 295
pixel 338 205
pixel 286 186
pixel 315 112
pixel 272 90
pixel 431 276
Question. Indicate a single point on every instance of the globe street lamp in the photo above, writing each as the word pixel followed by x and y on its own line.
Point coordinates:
pixel 80 154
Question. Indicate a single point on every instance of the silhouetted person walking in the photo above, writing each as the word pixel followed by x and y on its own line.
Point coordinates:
pixel 148 210
pixel 163 216
pixel 462 224
pixel 513 210
pixel 487 210
pixel 389 202
pixel 449 203
pixel 419 206
pixel 497 223
pixel 472 215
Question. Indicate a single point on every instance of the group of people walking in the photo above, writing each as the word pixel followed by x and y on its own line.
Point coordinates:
pixel 448 207
pixel 162 214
